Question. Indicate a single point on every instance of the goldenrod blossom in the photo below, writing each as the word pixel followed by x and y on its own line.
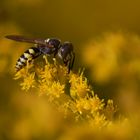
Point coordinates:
pixel 79 86
pixel 70 94
pixel 28 82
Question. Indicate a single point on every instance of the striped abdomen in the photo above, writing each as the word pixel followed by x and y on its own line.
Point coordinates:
pixel 28 55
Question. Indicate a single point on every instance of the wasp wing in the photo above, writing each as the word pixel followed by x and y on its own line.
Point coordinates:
pixel 26 39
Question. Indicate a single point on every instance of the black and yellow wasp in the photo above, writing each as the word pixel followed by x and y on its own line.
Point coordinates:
pixel 45 46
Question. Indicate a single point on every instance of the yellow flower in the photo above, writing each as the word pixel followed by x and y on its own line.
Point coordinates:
pixel 56 89
pixel 79 86
pixel 48 73
pixel 92 105
pixel 21 74
pixel 98 121
pixel 110 109
pixel 49 83
pixel 76 99
pixel 28 82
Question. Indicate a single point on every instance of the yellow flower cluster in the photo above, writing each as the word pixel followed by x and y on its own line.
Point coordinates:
pixel 114 55
pixel 79 86
pixel 70 93
pixel 67 106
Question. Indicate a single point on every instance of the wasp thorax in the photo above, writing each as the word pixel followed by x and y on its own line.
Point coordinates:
pixel 54 42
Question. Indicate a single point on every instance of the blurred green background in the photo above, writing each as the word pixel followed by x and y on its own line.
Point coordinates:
pixel 84 23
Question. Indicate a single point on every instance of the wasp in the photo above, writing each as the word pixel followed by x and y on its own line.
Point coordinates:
pixel 65 50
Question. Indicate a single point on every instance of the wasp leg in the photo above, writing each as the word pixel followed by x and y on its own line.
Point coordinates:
pixel 55 54
pixel 70 62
